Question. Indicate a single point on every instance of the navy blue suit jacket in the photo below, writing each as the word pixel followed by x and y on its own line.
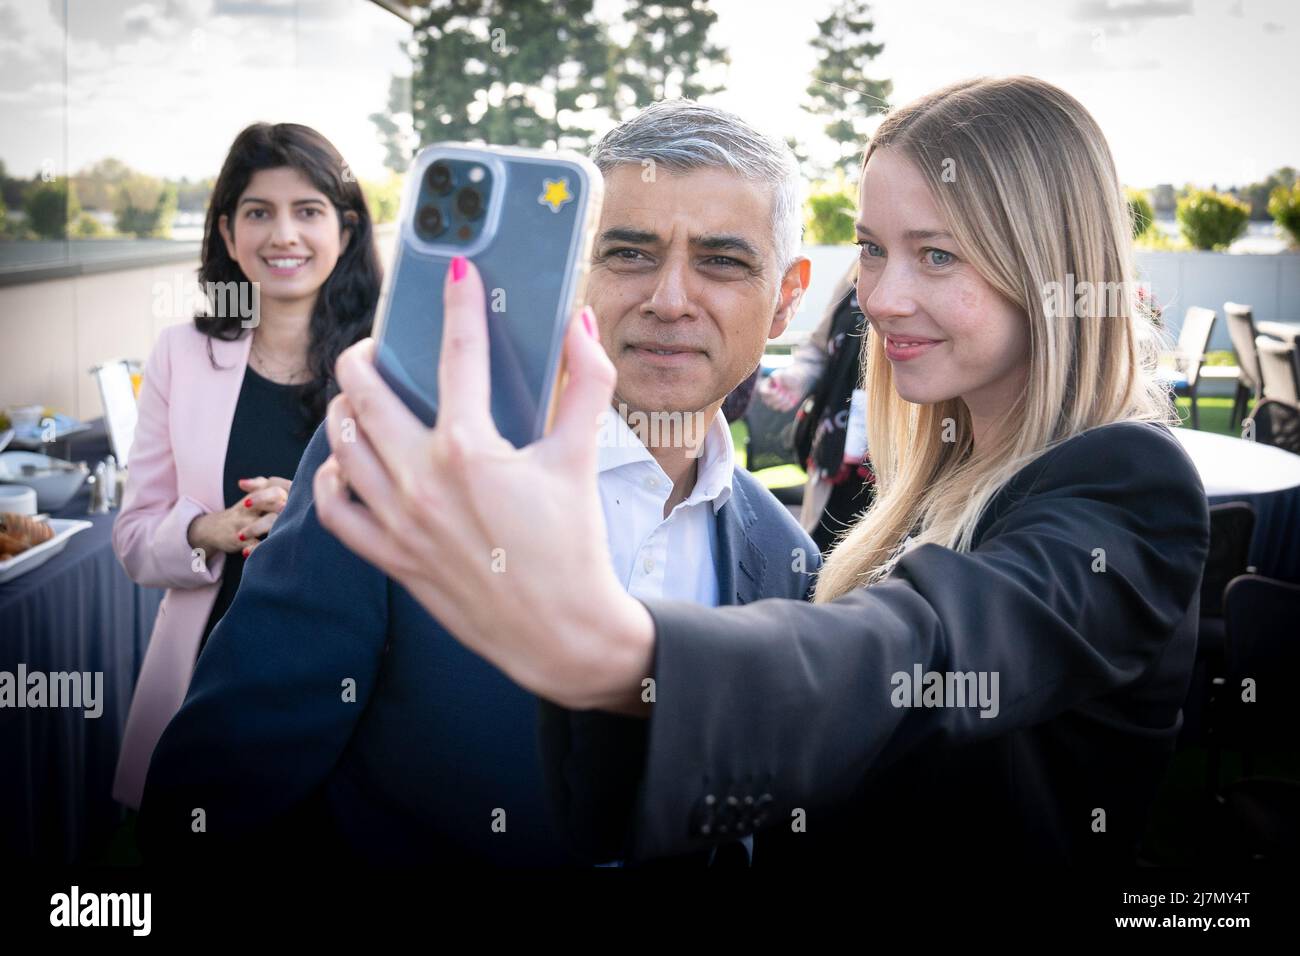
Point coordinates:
pixel 437 748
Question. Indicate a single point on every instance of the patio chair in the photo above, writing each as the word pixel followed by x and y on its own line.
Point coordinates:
pixel 1278 424
pixel 1189 356
pixel 1241 329
pixel 1278 369
pixel 1231 528
pixel 1260 815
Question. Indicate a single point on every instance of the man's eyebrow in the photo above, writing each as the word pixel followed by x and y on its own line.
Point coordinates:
pixel 725 243
pixel 640 237
pixel 863 230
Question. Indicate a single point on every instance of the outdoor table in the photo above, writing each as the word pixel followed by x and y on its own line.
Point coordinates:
pixel 1267 478
pixel 77 613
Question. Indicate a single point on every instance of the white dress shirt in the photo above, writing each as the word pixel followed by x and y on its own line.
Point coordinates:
pixel 654 556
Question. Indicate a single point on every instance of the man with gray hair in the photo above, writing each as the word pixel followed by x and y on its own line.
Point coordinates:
pixel 329 715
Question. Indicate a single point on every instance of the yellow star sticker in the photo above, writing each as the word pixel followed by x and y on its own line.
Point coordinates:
pixel 555 194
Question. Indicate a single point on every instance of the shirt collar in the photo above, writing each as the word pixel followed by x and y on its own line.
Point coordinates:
pixel 619 446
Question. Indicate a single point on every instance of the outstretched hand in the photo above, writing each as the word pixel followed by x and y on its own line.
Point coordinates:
pixel 505 547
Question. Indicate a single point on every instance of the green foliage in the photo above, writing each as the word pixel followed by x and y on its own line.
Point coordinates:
pixel 519 72
pixel 1140 212
pixel 829 213
pixel 492 69
pixel 1284 207
pixel 1260 194
pixel 50 207
pixel 88 227
pixel 12 190
pixel 145 206
pixel 1211 220
pixel 97 184
pixel 192 196
pixel 669 49
pixel 383 196
pixel 392 134
pixel 1155 238
pixel 841 91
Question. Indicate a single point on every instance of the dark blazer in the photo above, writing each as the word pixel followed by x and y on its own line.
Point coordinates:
pixel 783 711
pixel 436 741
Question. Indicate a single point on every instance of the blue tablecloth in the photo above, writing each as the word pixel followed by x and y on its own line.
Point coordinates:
pixel 1275 546
pixel 79 612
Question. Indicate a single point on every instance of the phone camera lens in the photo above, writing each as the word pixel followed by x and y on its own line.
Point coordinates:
pixel 469 202
pixel 429 220
pixel 439 177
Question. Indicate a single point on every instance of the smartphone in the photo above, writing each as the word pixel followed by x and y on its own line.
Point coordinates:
pixel 526 219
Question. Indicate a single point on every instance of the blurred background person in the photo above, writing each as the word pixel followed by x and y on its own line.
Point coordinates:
pixel 830 430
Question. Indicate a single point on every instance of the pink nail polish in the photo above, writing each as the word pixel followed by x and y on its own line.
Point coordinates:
pixel 459 265
pixel 589 321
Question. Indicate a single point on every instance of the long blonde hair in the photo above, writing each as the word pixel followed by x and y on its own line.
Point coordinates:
pixel 1026 181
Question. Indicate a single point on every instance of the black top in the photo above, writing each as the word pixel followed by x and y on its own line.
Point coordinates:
pixel 267 437
pixel 779 707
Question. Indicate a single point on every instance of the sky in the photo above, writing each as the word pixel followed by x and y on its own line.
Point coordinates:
pixel 1186 90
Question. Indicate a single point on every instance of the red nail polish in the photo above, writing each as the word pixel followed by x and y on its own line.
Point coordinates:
pixel 245 552
pixel 248 502
pixel 241 536
pixel 459 265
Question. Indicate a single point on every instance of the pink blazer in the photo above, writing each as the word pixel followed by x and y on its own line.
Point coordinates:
pixel 175 473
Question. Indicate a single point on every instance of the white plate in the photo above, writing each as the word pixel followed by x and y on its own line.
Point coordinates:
pixel 20 564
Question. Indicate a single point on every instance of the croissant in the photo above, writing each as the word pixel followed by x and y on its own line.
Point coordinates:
pixel 19 532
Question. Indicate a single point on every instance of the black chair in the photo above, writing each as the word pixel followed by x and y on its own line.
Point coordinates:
pixel 1279 370
pixel 1276 423
pixel 1250 384
pixel 1231 528
pixel 1260 815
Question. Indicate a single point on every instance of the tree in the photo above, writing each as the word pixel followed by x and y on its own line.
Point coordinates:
pixel 192 196
pixel 394 125
pixel 87 226
pixel 1140 211
pixel 507 72
pixel 1284 206
pixel 669 48
pixel 841 91
pixel 50 207
pixel 145 206
pixel 830 211
pixel 1258 194
pixel 1211 220
pixel 97 184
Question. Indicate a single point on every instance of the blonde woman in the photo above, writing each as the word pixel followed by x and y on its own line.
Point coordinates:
pixel 994 665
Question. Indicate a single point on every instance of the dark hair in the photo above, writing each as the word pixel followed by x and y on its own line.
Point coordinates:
pixel 345 304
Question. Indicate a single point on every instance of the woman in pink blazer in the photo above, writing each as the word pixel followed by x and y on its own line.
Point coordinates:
pixel 228 402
